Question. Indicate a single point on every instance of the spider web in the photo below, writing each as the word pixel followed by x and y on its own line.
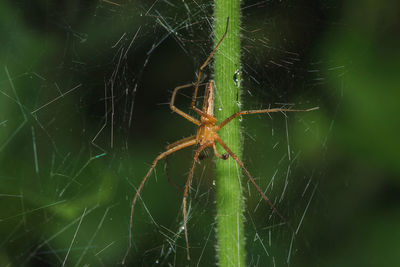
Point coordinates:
pixel 84 111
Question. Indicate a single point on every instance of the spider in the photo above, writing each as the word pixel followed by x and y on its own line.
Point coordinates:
pixel 206 136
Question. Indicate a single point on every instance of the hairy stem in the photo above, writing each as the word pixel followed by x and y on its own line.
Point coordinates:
pixel 228 174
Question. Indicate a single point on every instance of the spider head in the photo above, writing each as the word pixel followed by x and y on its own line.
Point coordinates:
pixel 225 156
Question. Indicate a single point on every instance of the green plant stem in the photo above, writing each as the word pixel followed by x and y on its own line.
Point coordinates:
pixel 230 233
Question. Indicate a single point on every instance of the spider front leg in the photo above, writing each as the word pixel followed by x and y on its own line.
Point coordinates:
pixel 178 146
pixel 186 193
pixel 166 158
pixel 246 112
pixel 240 163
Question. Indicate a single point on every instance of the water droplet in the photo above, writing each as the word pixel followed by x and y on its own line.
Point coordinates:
pixel 220 109
pixel 213 182
pixel 182 228
pixel 237 78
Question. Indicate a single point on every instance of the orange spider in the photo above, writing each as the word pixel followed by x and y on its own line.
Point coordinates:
pixel 205 137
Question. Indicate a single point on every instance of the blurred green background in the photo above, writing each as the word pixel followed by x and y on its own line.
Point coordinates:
pixel 84 88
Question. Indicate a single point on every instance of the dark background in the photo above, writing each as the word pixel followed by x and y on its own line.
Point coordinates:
pixel 70 161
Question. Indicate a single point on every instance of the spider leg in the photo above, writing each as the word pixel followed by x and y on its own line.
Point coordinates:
pixel 206 63
pixel 153 165
pixel 177 110
pixel 223 156
pixel 198 111
pixel 183 140
pixel 180 141
pixel 167 175
pixel 186 193
pixel 240 163
pixel 246 112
